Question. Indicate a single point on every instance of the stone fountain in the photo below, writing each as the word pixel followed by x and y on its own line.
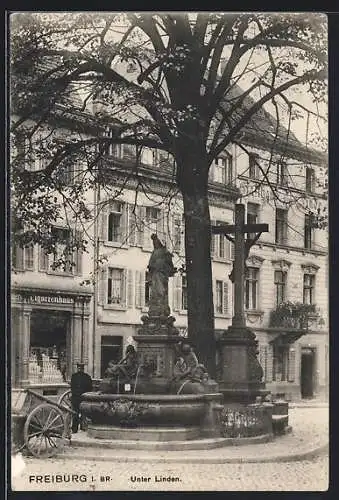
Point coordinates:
pixel 159 391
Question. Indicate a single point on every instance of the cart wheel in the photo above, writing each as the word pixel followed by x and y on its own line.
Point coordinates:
pixel 65 399
pixel 44 431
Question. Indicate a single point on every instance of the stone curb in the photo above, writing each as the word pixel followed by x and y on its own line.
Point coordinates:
pixel 306 454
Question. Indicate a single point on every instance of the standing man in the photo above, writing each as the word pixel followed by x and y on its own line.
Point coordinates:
pixel 80 382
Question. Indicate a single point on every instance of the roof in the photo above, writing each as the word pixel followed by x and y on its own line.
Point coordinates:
pixel 261 130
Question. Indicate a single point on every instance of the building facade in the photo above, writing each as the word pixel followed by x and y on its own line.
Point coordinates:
pixel 58 320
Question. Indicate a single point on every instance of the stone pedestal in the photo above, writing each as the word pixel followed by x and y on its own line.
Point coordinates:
pixel 156 340
pixel 241 372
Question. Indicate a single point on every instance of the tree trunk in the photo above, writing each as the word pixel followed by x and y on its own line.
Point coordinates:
pixel 198 260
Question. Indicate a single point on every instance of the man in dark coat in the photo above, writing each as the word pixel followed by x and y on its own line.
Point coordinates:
pixel 80 382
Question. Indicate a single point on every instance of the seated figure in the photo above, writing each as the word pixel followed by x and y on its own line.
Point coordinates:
pixel 126 368
pixel 187 365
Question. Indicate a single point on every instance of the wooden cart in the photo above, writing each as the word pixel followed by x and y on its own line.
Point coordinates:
pixel 39 424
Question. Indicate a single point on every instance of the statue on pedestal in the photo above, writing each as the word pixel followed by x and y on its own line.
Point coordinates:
pixel 160 269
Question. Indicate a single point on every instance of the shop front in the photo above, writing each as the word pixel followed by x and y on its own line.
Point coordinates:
pixel 49 336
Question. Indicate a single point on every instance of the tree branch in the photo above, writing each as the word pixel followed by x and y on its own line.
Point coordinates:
pixel 311 75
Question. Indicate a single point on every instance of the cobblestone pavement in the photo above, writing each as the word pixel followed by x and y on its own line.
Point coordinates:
pixel 307 475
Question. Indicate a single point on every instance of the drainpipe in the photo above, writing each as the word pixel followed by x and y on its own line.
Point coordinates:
pixel 95 273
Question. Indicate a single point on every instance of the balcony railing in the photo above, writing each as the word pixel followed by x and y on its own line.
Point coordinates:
pixel 294 315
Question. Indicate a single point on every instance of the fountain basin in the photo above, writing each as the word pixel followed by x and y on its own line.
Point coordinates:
pixel 143 409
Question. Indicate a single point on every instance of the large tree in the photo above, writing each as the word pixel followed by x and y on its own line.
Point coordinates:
pixel 197 82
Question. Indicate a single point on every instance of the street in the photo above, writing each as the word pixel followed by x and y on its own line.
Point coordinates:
pixel 65 473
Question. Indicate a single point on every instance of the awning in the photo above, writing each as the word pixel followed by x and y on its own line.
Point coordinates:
pixel 286 338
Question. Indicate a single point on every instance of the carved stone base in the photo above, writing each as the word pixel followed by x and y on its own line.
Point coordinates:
pixel 241 372
pixel 158 325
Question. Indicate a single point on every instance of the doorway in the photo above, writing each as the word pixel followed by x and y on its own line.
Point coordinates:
pixel 111 350
pixel 307 372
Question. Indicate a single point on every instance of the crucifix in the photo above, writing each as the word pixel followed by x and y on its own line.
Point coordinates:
pixel 242 248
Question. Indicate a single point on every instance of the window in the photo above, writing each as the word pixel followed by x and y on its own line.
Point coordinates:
pixel 61 259
pixel 281 226
pixel 184 293
pixel 41 154
pixel 115 222
pixel 154 224
pixel 29 257
pixel 115 290
pixel 310 180
pixel 152 216
pixel 282 174
pixel 221 297
pixel 308 288
pixel 308 232
pixel 131 67
pixel 251 288
pixel 220 245
pixel 223 169
pixel 177 233
pixel 253 167
pixel 23 257
pixel 148 156
pixel 65 174
pixel 280 278
pixel 219 301
pixel 147 291
pixel 252 215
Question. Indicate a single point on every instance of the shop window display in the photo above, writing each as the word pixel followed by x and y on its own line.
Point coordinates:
pixel 48 359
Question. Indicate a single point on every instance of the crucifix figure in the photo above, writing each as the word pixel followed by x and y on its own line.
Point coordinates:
pixel 242 248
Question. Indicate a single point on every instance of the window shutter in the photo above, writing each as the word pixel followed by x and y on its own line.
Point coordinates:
pixel 232 250
pixel 141 225
pixel 130 301
pixel 269 365
pixel 214 241
pixel 182 240
pixel 263 359
pixel 225 304
pixel 291 366
pixel 227 249
pixel 78 255
pixel 102 299
pixel 18 258
pixel 177 306
pixel 132 225
pixel 123 236
pixel 129 152
pixel 137 289
pixel 104 222
pixel 124 287
pixel 142 289
pixel 29 257
pixel 43 260
pixel 214 295
pixel 211 173
pixel 165 227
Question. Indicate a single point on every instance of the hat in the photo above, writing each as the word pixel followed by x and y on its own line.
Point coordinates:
pixel 81 364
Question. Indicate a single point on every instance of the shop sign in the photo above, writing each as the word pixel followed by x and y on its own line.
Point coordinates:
pixel 48 299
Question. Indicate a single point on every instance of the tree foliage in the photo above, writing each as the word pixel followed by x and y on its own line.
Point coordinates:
pixel 185 84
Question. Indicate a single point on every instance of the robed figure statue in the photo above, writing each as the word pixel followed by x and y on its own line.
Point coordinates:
pixel 160 268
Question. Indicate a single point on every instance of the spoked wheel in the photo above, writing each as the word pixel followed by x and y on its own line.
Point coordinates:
pixel 66 400
pixel 44 431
